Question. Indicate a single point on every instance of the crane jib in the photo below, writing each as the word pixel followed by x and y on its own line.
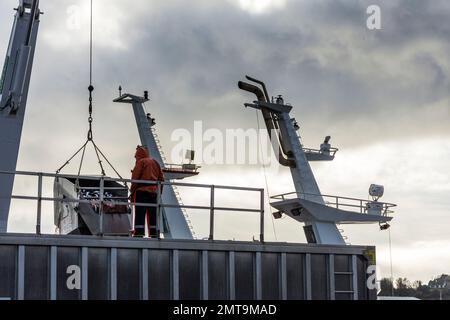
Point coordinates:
pixel 14 85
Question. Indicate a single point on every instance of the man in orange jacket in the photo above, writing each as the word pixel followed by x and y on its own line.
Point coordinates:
pixel 147 169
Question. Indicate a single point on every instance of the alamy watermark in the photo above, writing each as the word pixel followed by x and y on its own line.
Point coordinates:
pixel 227 147
pixel 73 21
pixel 74 279
pixel 74 14
pixel 373 21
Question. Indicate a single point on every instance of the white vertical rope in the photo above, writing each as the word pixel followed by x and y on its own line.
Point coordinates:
pixel 390 261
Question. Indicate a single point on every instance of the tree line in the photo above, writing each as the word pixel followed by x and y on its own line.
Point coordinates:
pixel 436 289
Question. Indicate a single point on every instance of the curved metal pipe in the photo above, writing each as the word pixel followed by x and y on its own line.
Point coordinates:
pixel 252 89
pixel 262 84
pixel 286 150
pixel 269 121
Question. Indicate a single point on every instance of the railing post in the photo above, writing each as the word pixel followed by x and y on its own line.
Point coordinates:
pixel 261 236
pixel 211 214
pixel 100 210
pixel 39 205
pixel 158 210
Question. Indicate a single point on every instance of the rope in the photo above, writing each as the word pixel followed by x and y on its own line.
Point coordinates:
pixel 90 138
pixel 99 159
pixel 107 161
pixel 82 159
pixel 90 43
pixel 91 87
pixel 265 177
pixel 71 158
pixel 390 260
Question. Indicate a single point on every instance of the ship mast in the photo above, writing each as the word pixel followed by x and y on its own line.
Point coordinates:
pixel 307 204
pixel 175 223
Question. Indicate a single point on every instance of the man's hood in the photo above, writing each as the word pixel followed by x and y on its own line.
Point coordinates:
pixel 141 153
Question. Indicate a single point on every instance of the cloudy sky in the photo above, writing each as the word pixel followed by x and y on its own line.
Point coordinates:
pixel 383 95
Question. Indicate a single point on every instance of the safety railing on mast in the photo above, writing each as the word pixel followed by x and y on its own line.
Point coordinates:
pixel 345 203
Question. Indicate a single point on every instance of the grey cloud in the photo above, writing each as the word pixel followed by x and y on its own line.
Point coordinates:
pixel 203 52
pixel 317 53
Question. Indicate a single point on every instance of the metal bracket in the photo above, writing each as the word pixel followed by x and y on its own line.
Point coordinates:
pixel 130 98
pixel 278 108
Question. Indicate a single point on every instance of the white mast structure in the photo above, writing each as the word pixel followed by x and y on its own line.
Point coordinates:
pixel 14 84
pixel 319 214
pixel 175 223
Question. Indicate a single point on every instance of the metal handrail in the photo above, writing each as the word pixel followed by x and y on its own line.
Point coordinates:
pixel 180 167
pixel 332 151
pixel 102 200
pixel 72 176
pixel 337 201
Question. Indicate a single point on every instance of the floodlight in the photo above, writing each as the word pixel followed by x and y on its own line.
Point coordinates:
pixel 376 191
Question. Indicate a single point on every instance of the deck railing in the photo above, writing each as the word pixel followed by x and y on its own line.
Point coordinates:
pixel 212 208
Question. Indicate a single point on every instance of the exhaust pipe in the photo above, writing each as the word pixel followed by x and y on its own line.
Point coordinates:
pixel 252 89
pixel 262 84
pixel 286 150
pixel 268 119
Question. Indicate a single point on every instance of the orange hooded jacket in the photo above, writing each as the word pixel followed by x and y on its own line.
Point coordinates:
pixel 145 169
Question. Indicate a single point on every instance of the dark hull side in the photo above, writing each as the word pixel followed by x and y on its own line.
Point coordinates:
pixel 110 268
